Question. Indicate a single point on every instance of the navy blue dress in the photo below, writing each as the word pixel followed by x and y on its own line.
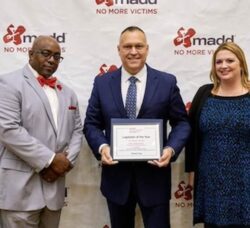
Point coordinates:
pixel 223 181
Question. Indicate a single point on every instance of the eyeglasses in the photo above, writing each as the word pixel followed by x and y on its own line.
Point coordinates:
pixel 47 54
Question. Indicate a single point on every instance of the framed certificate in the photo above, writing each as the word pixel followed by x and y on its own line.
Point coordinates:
pixel 136 140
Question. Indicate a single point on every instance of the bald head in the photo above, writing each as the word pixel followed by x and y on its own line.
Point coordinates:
pixel 43 39
pixel 45 55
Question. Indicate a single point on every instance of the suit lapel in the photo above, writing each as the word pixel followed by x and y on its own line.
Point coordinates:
pixel 31 80
pixel 62 107
pixel 151 86
pixel 115 85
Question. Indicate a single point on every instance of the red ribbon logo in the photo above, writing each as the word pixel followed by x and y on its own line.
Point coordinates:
pixel 184 37
pixel 14 35
pixel 106 2
pixel 184 191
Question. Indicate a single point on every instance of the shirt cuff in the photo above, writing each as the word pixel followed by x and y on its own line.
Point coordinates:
pixel 100 147
pixel 172 149
pixel 50 161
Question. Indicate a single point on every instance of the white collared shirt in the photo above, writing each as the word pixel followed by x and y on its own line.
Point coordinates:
pixel 140 86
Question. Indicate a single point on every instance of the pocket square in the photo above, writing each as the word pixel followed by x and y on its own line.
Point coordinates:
pixel 72 107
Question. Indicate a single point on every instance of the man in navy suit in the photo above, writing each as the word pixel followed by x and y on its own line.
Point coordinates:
pixel 125 184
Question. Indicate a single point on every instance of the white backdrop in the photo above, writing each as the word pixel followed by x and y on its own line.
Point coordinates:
pixel 182 36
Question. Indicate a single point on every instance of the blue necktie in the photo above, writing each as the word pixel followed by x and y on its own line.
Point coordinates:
pixel 131 98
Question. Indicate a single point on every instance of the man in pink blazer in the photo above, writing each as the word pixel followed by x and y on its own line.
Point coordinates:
pixel 40 139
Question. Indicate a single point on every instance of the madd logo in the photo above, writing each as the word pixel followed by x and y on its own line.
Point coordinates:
pixel 16 37
pixel 184 195
pixel 124 2
pixel 195 44
pixel 109 7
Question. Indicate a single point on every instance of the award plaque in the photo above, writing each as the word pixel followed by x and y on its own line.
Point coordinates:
pixel 136 140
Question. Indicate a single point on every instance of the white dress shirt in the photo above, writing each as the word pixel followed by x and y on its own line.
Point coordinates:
pixel 140 86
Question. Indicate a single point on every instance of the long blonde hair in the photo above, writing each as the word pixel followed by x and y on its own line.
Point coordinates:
pixel 235 49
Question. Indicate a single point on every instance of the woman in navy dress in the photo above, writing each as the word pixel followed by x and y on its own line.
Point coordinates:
pixel 218 151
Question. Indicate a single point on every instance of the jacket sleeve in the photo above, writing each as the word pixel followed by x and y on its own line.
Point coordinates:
pixel 178 121
pixel 94 122
pixel 22 146
pixel 192 149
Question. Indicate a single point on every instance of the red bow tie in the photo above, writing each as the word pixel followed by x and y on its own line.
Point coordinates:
pixel 51 81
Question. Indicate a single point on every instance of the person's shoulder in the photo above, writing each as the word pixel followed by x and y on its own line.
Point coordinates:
pixel 205 87
pixel 203 92
pixel 13 75
pixel 160 73
pixel 163 77
pixel 108 75
pixel 10 73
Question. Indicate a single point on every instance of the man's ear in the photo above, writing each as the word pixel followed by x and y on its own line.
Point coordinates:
pixel 31 52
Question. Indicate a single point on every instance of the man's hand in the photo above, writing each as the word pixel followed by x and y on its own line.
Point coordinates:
pixel 60 164
pixel 49 175
pixel 106 158
pixel 164 159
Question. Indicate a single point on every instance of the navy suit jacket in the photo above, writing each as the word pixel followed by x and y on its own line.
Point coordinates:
pixel 162 100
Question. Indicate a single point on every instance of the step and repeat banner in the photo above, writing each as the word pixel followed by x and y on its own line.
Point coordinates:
pixel 182 37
